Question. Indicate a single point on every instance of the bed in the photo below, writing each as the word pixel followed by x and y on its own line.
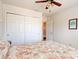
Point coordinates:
pixel 41 50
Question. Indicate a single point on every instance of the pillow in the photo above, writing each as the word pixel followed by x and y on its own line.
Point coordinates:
pixel 4 47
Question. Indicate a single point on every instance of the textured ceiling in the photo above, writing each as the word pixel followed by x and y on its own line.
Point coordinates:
pixel 30 4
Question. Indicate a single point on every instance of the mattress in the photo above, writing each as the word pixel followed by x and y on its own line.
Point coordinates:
pixel 42 50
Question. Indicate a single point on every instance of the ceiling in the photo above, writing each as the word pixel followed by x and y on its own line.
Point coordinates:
pixel 30 4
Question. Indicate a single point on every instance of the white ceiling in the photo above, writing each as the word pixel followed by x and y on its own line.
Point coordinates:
pixel 30 4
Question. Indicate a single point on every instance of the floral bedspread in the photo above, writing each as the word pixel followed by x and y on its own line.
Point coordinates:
pixel 42 50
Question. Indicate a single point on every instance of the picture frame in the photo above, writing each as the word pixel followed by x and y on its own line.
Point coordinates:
pixel 73 24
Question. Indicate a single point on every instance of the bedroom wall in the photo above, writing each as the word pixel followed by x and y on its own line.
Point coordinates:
pixel 0 18
pixel 61 32
pixel 19 10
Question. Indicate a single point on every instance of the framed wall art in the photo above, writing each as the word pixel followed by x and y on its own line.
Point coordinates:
pixel 73 24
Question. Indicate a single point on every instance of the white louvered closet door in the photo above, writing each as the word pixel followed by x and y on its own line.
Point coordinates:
pixel 33 30
pixel 23 29
pixel 15 28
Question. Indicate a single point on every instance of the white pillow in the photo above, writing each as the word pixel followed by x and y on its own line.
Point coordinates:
pixel 4 47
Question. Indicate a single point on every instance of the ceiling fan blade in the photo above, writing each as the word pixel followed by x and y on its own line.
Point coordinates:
pixel 40 1
pixel 57 3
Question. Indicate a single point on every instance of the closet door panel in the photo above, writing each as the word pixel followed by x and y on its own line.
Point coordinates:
pixel 33 30
pixel 15 28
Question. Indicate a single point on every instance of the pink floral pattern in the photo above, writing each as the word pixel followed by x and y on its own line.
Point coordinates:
pixel 42 50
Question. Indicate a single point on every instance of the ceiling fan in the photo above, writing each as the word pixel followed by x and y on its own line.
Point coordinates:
pixel 50 2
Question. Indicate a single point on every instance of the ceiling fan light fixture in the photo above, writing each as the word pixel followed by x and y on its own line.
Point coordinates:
pixel 50 4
